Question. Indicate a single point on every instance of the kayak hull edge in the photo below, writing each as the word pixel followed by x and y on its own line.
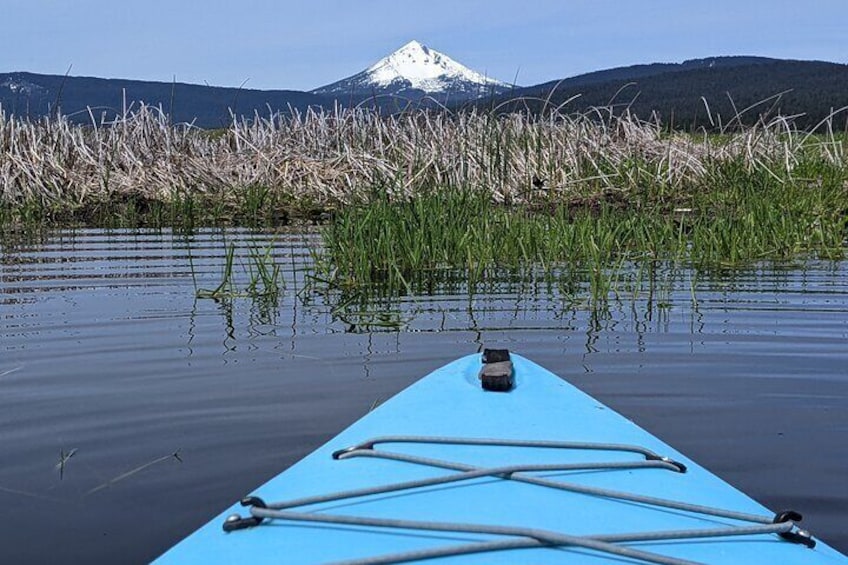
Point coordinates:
pixel 449 402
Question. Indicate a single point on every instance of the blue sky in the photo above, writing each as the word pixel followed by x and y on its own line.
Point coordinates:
pixel 302 45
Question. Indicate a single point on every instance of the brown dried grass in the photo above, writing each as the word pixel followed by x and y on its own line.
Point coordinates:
pixel 333 157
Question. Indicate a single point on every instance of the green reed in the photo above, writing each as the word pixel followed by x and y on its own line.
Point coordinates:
pixel 737 216
pixel 264 273
pixel 225 288
pixel 264 277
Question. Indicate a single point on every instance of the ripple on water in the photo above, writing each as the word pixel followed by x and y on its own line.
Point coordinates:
pixel 106 351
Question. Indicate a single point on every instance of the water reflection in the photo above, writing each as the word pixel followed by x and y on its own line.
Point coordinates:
pixel 159 273
pixel 105 348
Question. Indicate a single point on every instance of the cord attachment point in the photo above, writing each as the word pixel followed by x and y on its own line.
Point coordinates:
pixel 681 468
pixel 497 374
pixel 795 535
pixel 237 522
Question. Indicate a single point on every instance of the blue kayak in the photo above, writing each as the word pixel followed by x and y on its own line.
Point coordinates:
pixel 493 459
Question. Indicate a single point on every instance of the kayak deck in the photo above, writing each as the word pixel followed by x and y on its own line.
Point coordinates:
pixel 543 474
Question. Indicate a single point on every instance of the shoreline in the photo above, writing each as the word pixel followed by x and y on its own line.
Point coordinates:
pixel 142 170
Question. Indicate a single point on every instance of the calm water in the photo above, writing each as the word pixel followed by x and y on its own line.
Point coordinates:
pixel 109 363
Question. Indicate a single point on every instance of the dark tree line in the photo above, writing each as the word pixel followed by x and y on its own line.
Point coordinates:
pixel 709 97
pixel 702 93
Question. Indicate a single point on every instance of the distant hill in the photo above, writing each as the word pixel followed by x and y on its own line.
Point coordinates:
pixel 34 95
pixel 675 93
pixel 671 92
pixel 633 72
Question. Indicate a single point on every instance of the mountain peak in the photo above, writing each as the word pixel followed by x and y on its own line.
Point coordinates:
pixel 424 69
pixel 414 45
pixel 415 70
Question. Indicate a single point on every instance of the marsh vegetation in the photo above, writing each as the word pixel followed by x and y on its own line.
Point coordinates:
pixel 143 168
pixel 414 198
pixel 608 244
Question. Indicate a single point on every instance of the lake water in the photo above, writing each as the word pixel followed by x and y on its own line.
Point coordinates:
pixel 109 366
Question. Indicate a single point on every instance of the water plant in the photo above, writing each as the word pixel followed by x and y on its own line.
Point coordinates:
pixel 423 200
pixel 135 470
pixel 142 168
pixel 737 216
pixel 64 457
pixel 264 274
pixel 225 288
pixel 264 278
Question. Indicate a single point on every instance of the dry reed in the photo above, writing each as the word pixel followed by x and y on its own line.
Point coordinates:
pixel 326 158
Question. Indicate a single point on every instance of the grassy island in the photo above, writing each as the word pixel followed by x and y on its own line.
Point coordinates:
pixel 421 191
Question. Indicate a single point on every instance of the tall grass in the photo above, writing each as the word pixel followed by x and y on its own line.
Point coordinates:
pixel 264 279
pixel 425 198
pixel 735 215
pixel 141 167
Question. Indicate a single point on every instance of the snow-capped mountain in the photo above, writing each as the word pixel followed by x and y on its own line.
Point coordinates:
pixel 412 72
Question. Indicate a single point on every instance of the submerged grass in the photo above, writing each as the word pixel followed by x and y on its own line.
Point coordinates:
pixel 422 199
pixel 736 215
pixel 264 277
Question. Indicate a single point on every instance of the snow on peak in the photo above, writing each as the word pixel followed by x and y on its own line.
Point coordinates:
pixel 424 68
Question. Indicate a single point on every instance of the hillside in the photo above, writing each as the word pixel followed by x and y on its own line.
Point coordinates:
pixel 675 94
pixel 633 72
pixel 34 95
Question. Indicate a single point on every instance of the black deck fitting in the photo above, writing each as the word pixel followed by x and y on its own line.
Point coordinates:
pixel 495 355
pixel 236 522
pixel 795 535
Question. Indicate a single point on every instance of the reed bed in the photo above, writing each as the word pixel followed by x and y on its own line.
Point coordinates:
pixel 267 169
pixel 745 217
pixel 428 196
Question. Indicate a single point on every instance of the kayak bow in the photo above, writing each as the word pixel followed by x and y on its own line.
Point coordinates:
pixel 498 462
